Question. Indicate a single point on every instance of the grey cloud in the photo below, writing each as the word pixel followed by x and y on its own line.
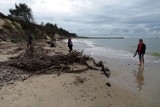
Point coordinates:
pixel 103 17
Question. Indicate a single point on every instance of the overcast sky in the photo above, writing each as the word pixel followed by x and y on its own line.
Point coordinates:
pixel 96 17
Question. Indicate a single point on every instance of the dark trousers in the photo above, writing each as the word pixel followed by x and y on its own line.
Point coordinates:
pixel 29 44
pixel 70 48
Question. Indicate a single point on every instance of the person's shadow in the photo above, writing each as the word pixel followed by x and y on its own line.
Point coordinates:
pixel 139 77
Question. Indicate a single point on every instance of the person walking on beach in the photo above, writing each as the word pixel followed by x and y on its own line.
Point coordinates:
pixel 30 39
pixel 70 44
pixel 141 51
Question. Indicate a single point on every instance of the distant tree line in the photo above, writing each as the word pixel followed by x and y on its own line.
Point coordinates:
pixel 23 14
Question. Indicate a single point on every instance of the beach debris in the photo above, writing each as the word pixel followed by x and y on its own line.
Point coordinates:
pixel 106 71
pixel 99 64
pixel 79 80
pixel 108 84
pixel 38 60
pixel 10 74
pixel 18 49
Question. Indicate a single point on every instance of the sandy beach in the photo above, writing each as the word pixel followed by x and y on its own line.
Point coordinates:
pixel 65 91
pixel 79 53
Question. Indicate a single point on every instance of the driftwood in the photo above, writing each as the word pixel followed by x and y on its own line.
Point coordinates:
pixel 60 71
pixel 79 80
pixel 77 71
pixel 37 61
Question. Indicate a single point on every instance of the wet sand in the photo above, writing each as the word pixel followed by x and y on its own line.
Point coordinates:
pixel 65 91
pixel 142 81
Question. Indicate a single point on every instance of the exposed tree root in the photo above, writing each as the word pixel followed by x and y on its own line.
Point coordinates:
pixel 37 61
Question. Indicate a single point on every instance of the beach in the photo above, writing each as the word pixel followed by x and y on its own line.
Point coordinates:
pixel 79 53
pixel 126 90
pixel 125 71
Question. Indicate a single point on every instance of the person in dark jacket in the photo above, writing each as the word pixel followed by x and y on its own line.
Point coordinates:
pixel 141 51
pixel 30 39
pixel 70 44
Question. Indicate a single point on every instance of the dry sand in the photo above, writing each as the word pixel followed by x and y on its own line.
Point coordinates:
pixel 66 91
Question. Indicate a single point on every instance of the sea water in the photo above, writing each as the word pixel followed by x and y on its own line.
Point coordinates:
pixel 119 48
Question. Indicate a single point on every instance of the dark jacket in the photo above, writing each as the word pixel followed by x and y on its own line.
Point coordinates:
pixel 30 38
pixel 143 49
pixel 70 43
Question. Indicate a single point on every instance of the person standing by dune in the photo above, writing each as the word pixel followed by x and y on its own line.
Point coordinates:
pixel 30 39
pixel 141 51
pixel 70 44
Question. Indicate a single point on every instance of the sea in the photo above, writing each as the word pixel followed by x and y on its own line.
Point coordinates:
pixel 119 48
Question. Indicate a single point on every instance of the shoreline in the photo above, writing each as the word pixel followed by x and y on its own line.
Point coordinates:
pixel 100 37
pixel 123 49
pixel 61 91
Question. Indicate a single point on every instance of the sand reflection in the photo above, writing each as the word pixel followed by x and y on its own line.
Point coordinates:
pixel 139 77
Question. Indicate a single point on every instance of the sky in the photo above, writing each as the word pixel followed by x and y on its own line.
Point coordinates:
pixel 96 17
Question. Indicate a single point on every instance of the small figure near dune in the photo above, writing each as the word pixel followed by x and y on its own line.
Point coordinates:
pixel 70 44
pixel 141 51
pixel 30 39
pixel 53 43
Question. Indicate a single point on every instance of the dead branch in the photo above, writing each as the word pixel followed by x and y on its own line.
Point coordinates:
pixel 60 71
